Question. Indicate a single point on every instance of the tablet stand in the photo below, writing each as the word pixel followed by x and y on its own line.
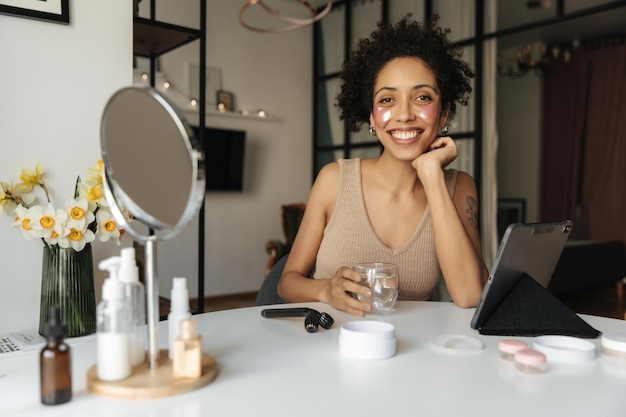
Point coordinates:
pixel 531 310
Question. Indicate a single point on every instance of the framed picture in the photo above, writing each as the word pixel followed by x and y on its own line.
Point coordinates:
pixel 57 11
pixel 225 101
pixel 510 210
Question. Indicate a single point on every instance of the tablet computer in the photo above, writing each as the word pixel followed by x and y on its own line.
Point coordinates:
pixel 532 249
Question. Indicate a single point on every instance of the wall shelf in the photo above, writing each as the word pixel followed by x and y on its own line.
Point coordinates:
pixel 152 38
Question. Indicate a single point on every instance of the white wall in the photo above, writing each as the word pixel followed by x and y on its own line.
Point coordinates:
pixel 56 81
pixel 268 71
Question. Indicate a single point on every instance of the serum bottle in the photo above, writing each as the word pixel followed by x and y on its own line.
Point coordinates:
pixel 188 351
pixel 179 311
pixel 55 362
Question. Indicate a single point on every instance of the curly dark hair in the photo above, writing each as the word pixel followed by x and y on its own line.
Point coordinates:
pixel 406 38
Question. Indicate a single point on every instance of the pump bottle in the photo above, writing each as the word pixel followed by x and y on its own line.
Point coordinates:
pixel 55 362
pixel 179 310
pixel 129 275
pixel 113 330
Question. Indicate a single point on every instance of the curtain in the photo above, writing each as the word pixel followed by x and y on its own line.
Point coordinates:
pixel 489 185
pixel 604 180
pixel 563 131
pixel 583 143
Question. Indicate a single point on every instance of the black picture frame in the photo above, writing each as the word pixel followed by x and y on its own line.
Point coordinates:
pixel 56 11
pixel 225 101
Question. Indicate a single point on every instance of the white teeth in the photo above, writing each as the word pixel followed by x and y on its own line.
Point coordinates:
pixel 402 135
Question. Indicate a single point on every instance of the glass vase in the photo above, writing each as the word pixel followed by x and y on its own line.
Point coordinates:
pixel 67 280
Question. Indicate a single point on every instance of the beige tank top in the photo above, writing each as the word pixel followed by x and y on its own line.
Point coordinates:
pixel 349 239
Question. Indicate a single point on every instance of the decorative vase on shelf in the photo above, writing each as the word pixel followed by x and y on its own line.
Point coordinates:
pixel 67 280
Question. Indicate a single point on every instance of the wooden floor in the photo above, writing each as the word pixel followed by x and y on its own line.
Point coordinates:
pixel 602 301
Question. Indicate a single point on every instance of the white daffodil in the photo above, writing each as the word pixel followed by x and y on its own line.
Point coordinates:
pixel 80 217
pixel 23 220
pixel 77 239
pixel 107 227
pixel 76 225
pixel 50 223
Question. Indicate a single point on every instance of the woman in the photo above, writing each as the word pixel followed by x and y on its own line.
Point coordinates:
pixel 402 207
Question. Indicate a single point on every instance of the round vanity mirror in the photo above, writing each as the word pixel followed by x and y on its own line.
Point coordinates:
pixel 153 178
pixel 153 164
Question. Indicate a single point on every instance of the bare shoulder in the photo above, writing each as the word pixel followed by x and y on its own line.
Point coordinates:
pixel 327 179
pixel 325 188
pixel 465 184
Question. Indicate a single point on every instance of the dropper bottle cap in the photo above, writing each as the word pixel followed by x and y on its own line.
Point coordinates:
pixel 54 328
pixel 128 270
pixel 180 294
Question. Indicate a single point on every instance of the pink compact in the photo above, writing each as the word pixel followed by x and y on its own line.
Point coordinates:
pixel 530 361
pixel 508 348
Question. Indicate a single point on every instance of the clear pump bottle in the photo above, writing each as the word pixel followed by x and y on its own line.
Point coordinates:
pixel 135 292
pixel 113 335
pixel 55 362
pixel 179 310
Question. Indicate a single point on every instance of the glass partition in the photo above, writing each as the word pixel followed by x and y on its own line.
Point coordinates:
pixel 463 121
pixel 329 38
pixel 365 16
pixel 456 15
pixel 329 130
pixel 399 8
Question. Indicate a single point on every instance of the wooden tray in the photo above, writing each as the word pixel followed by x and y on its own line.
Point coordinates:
pixel 152 383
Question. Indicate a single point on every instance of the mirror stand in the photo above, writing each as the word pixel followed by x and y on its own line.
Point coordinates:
pixel 152 302
pixel 145 141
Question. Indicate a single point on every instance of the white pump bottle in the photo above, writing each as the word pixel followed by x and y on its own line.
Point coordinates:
pixel 113 321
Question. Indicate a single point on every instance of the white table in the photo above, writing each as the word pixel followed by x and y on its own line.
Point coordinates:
pixel 272 367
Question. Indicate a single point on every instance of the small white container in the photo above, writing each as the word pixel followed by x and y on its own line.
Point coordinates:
pixel 367 340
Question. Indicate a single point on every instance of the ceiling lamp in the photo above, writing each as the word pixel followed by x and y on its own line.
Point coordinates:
pixel 550 58
pixel 292 23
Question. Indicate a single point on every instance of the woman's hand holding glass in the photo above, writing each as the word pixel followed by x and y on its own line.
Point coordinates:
pixel 345 290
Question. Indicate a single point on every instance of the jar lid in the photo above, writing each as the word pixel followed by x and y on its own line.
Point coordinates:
pixel 614 342
pixel 530 357
pixel 511 345
pixel 565 348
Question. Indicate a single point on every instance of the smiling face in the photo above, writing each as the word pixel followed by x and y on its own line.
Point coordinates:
pixel 407 108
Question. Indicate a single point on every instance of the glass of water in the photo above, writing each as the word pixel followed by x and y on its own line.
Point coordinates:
pixel 382 279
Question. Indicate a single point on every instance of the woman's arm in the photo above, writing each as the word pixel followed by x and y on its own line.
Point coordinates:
pixel 455 225
pixel 294 286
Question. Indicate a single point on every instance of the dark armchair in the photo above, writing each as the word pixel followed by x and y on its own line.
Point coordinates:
pixel 291 217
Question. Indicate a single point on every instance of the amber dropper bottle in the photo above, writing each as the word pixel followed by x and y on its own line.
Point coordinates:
pixel 55 362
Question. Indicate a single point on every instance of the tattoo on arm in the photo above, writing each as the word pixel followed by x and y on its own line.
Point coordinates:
pixel 472 211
